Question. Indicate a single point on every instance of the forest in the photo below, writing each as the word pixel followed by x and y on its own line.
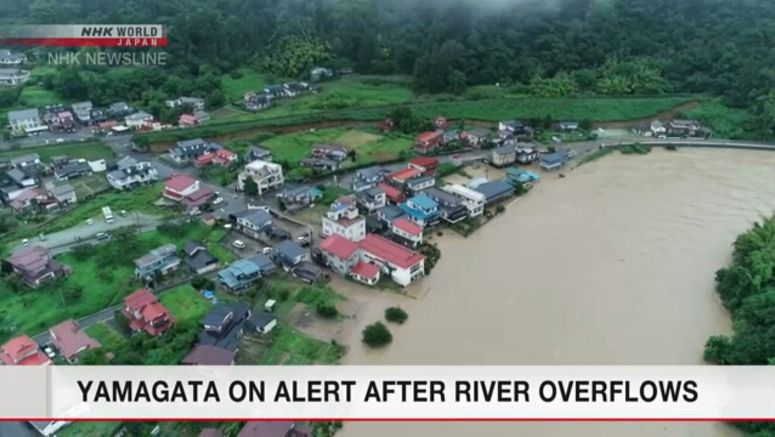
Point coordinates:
pixel 550 48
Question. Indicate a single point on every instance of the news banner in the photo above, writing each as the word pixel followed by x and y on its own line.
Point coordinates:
pixel 388 393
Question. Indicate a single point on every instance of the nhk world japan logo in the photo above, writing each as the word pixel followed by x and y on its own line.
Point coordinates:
pixel 85 35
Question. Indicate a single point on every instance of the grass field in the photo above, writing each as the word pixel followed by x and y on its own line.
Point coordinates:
pixel 106 335
pixel 249 80
pixel 369 147
pixel 726 122
pixel 185 303
pixel 90 150
pixel 289 347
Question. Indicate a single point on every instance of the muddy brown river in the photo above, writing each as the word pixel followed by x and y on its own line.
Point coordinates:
pixel 613 264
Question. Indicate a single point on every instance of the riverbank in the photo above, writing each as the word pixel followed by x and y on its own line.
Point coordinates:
pixel 612 265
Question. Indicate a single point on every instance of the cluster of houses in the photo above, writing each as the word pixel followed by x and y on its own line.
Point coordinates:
pixel 193 108
pixel 325 157
pixel 676 128
pixel 22 188
pixel 201 153
pixel 10 73
pixel 445 137
pixel 257 101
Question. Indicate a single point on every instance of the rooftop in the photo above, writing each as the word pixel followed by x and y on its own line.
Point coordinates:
pixel 339 246
pixel 390 251
pixel 70 339
pixel 366 270
pixel 407 226
pixel 180 182
pixel 208 355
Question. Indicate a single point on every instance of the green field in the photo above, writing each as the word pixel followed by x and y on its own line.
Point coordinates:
pixel 726 122
pixel 90 150
pixel 249 80
pixel 185 303
pixel 289 347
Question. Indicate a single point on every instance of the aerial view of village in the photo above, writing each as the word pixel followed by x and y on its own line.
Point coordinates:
pixel 351 182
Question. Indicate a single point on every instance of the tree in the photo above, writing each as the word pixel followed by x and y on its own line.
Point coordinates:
pixel 326 310
pixel 250 187
pixel 377 335
pixel 396 315
pixel 201 283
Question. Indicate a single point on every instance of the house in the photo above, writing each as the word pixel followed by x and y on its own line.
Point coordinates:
pixel 23 177
pixel 393 194
pixel 7 57
pixel 34 265
pixel 179 186
pixel 407 231
pixel 23 351
pixel 400 177
pixel 518 175
pixel 526 154
pixel 72 170
pixel 372 199
pixel 222 157
pixel 267 176
pixel 207 355
pixel 265 264
pixel 403 264
pixel 98 115
pixel 420 183
pixel 319 73
pixel 299 197
pixel 503 156
pixel 202 116
pixel 422 210
pixel 475 137
pixel 333 152
pixel 513 128
pixel 252 222
pixel 388 213
pixel 31 200
pixel 198 198
pixel 450 136
pixel 82 111
pixel 340 254
pixel 657 129
pixel 187 120
pixel 223 326
pixel 343 218
pixel 427 142
pixel 495 191
pixel 320 164
pixel 64 194
pixel 683 128
pixel 292 89
pixel 451 206
pixel 130 173
pixel 289 254
pixel 188 150
pixel 256 153
pixel 473 200
pixel 25 120
pixel 239 275
pixel 261 322
pixel 440 123
pixel 257 101
pixel 569 126
pixel 195 103
pixel 366 273
pixel 24 161
pixel 553 161
pixel 119 110
pixel 13 76
pixel 70 340
pixel 146 313
pixel 162 260
pixel 198 259
pixel 307 272
pixel 368 178
pixel 274 429
pixel 425 164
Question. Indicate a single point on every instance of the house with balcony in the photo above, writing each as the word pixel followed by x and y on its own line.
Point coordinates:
pixel 368 178
pixel 267 176
pixel 473 200
pixel 82 112
pixel 187 151
pixel 137 120
pixel 25 121
pixel 34 265
pixel 450 206
pixel 252 222
pixel 372 199
pixel 476 137
pixel 180 186
pixel 400 177
pixel 343 218
pixel 130 173
pixel 146 313
pixel 258 153
pixel 162 260
pixel 222 157
pixel 420 183
pixel 239 275
pixel 23 351
pixel 422 210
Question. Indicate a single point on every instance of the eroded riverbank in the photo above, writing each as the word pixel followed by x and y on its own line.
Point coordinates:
pixel 612 265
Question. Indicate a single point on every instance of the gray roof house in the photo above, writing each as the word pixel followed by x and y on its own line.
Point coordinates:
pixel 72 170
pixel 264 263
pixel 163 259
pixel 198 259
pixel 188 150
pixel 495 191
pixel 289 254
pixel 24 119
pixel 252 222
pixel 64 194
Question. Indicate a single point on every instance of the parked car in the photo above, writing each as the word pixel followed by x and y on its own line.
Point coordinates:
pixel 89 222
pixel 218 201
pixel 238 244
pixel 50 351
pixel 266 250
pixel 101 236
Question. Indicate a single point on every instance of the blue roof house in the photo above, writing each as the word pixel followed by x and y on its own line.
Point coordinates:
pixel 239 276
pixel 521 176
pixel 553 161
pixel 422 210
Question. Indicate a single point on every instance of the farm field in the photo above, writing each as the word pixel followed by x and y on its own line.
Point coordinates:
pixel 90 150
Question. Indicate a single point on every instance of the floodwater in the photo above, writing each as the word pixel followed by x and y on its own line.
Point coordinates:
pixel 613 264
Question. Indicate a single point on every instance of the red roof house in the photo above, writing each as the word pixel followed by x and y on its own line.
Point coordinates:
pixel 71 340
pixel 23 351
pixel 425 164
pixel 428 141
pixel 366 273
pixel 219 157
pixel 403 175
pixel 187 120
pixel 179 186
pixel 339 246
pixel 392 193
pixel 146 313
pixel 405 265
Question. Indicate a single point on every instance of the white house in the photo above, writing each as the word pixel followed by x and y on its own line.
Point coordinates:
pixel 267 176
pixel 138 119
pixel 658 129
pixel 24 120
pixel 473 200
pixel 343 219
pixel 13 76
pixel 131 173
pixel 407 230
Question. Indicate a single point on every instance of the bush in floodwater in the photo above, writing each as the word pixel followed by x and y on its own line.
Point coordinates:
pixel 671 147
pixel 326 310
pixel 635 149
pixel 377 335
pixel 396 315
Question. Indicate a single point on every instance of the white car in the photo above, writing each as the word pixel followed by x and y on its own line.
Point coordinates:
pixel 25 242
pixel 50 352
pixel 238 244
pixel 267 250
pixel 218 201
pixel 60 140
pixel 89 222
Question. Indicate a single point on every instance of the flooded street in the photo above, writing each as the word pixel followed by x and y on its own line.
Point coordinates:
pixel 612 265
